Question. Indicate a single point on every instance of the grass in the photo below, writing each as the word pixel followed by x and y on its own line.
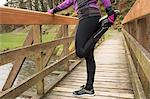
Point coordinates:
pixel 14 40
pixel 11 40
pixel 48 37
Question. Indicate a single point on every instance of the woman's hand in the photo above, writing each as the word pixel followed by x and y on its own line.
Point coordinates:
pixel 50 11
pixel 111 14
pixel 54 10
pixel 112 18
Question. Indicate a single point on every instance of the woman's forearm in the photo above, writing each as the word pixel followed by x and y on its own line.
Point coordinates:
pixel 65 4
pixel 106 3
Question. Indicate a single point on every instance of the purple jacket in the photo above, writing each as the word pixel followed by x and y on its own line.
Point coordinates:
pixel 84 7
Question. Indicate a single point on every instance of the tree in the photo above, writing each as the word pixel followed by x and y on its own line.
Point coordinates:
pixel 43 6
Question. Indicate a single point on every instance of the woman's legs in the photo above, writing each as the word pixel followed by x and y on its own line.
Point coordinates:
pixel 86 28
pixel 90 64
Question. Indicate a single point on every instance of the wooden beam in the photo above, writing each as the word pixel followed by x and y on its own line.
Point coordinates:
pixel 139 9
pixel 66 46
pixel 137 86
pixel 10 15
pixel 32 80
pixel 37 36
pixel 12 55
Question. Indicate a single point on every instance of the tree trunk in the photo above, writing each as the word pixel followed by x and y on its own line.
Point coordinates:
pixel 30 4
pixel 21 4
pixel 44 9
pixel 36 5
pixel 50 4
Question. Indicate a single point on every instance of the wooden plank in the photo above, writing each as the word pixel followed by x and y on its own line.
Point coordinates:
pixel 111 66
pixel 103 75
pixel 106 66
pixel 104 69
pixel 60 97
pixel 99 77
pixel 69 95
pixel 102 89
pixel 104 72
pixel 137 86
pixel 98 84
pixel 9 15
pixel 112 85
pixel 18 63
pixel 110 94
pixel 141 7
pixel 126 84
pixel 25 85
pixel 12 55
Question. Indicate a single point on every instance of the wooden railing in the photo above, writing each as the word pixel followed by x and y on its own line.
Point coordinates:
pixel 33 46
pixel 136 28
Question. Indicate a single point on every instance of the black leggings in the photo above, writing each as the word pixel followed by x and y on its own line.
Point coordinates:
pixel 86 29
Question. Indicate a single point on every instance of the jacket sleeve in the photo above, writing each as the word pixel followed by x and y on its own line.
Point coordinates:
pixel 106 3
pixel 65 4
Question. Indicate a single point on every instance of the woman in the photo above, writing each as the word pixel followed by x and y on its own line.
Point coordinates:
pixel 89 15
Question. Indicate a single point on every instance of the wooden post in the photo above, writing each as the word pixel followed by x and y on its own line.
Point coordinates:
pixel 148 32
pixel 66 45
pixel 37 36
pixel 140 32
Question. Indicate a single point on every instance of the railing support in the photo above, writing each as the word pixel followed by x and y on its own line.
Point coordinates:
pixel 37 35
pixel 66 45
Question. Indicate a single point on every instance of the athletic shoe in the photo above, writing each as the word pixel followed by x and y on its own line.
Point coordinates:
pixel 84 92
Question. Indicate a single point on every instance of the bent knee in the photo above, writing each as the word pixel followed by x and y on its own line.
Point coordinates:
pixel 80 53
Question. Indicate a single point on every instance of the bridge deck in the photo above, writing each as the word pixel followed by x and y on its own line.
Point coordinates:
pixel 112 79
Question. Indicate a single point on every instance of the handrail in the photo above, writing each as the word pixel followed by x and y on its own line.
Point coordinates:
pixel 140 8
pixel 21 16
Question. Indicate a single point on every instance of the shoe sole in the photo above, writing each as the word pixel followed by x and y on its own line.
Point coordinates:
pixel 85 95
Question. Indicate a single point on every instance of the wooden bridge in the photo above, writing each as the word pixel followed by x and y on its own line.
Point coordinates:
pixel 123 60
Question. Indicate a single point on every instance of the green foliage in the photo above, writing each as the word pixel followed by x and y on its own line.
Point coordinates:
pixel 14 40
pixel 121 17
pixel 48 37
pixel 11 40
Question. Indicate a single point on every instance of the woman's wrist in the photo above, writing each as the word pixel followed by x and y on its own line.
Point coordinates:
pixel 109 10
pixel 54 10
pixel 111 14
